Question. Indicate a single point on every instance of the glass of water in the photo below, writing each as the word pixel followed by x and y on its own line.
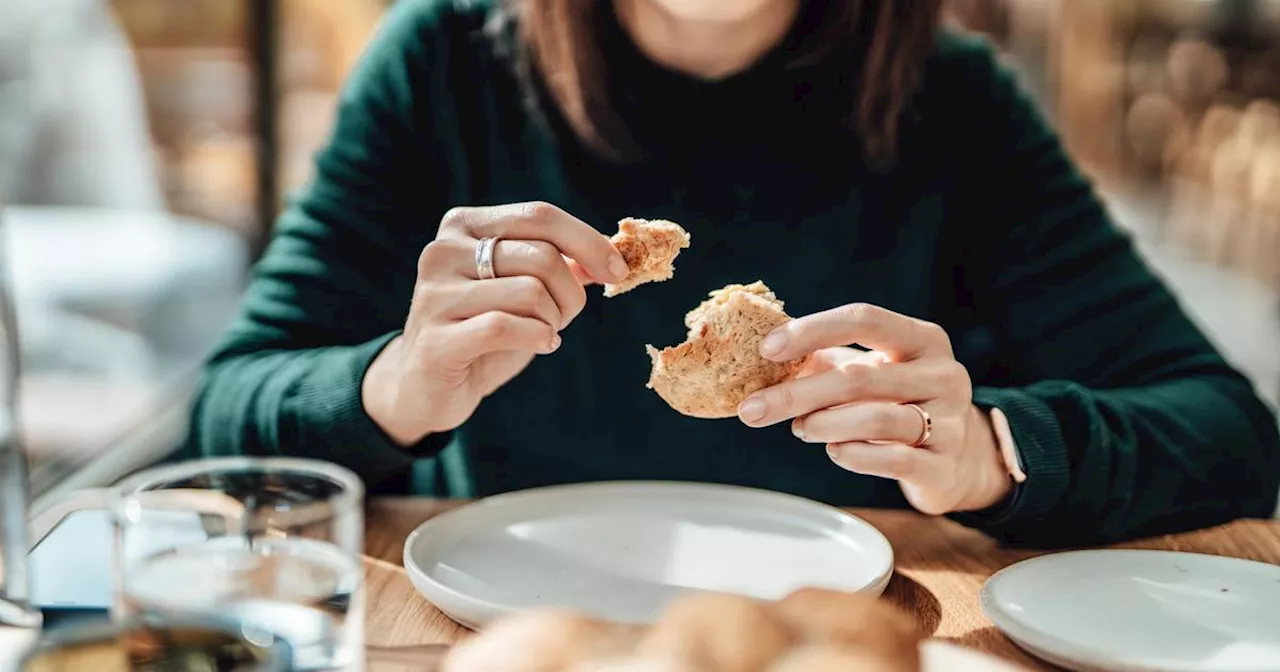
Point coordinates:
pixel 177 645
pixel 274 543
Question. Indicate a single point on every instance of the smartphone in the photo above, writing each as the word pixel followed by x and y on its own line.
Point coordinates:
pixel 71 568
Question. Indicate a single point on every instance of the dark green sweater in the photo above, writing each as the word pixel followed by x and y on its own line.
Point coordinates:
pixel 1126 418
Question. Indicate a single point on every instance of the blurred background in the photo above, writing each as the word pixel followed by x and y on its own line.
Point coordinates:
pixel 146 145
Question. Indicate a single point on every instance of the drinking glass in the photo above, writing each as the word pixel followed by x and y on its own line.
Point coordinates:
pixel 177 645
pixel 16 611
pixel 274 543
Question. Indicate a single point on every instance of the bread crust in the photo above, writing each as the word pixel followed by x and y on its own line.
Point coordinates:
pixel 650 248
pixel 810 630
pixel 719 365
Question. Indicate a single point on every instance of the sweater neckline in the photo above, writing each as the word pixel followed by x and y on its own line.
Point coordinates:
pixel 770 98
pixel 626 57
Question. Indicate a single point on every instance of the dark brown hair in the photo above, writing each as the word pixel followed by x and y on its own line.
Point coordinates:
pixel 885 42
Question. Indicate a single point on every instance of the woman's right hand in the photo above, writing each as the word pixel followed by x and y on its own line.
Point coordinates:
pixel 464 336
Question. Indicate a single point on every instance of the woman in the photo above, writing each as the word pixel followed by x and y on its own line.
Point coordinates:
pixel 884 177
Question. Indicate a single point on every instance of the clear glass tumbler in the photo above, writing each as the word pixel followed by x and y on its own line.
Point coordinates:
pixel 274 543
pixel 16 613
pixel 203 645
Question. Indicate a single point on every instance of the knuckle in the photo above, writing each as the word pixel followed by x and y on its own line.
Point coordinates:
pixel 539 212
pixel 957 379
pixel 423 296
pixel 494 327
pixel 847 457
pixel 881 423
pixel 433 255
pixel 543 255
pixel 822 431
pixel 853 379
pixel 530 292
pixel 936 333
pixel 858 313
pixel 783 399
pixel 454 218
pixel 578 300
pixel 900 464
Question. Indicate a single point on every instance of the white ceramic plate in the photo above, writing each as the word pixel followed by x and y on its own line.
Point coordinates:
pixel 1128 610
pixel 621 551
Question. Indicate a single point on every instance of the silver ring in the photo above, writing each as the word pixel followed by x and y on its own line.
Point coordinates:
pixel 926 428
pixel 484 258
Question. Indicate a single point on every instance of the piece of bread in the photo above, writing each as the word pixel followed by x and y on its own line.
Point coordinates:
pixel 811 630
pixel 539 641
pixel 853 621
pixel 720 632
pixel 719 365
pixel 639 664
pixel 833 659
pixel 649 248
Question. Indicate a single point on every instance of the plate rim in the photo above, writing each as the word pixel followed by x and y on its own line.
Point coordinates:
pixel 418 574
pixel 1033 639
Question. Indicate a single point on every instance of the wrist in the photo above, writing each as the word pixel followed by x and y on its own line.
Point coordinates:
pixel 993 483
pixel 379 395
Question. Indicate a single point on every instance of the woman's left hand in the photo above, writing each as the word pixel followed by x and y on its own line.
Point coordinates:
pixel 855 402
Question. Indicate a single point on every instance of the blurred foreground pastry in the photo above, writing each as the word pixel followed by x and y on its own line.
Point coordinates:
pixel 539 641
pixel 719 365
pixel 720 632
pixel 649 248
pixel 811 631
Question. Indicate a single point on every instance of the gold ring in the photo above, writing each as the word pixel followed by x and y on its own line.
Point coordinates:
pixel 926 428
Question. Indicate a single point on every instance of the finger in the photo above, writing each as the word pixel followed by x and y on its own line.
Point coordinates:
pixel 446 257
pixel 541 260
pixel 497 332
pixel 830 358
pixel 541 221
pixel 523 296
pixel 901 338
pixel 883 422
pixel 894 460
pixel 852 380
pixel 584 278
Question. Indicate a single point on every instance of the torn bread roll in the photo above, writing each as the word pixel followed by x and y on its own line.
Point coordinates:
pixel 552 640
pixel 811 630
pixel 719 631
pixel 649 248
pixel 834 659
pixel 854 621
pixel 719 364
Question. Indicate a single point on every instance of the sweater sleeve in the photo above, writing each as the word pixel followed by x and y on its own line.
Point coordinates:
pixel 334 285
pixel 1127 420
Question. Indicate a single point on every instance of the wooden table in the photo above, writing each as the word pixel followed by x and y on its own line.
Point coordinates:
pixel 940 568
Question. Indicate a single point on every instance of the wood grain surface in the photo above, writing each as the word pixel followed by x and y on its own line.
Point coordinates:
pixel 940 569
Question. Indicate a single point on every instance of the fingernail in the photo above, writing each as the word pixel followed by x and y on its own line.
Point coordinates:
pixel 555 344
pixel 618 266
pixel 799 433
pixel 773 344
pixel 751 410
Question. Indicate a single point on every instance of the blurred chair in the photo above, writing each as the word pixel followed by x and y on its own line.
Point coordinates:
pixel 115 298
pixel 114 306
pixel 73 122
